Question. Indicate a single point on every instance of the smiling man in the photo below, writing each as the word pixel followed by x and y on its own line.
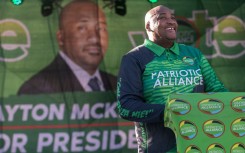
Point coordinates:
pixel 83 40
pixel 152 71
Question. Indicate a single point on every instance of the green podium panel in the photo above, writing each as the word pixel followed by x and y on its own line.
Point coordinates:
pixel 207 122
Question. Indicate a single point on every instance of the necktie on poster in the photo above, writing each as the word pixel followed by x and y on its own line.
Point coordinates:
pixel 93 83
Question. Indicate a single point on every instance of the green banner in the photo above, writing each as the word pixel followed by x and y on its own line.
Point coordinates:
pixel 77 122
pixel 210 122
pixel 216 27
pixel 88 122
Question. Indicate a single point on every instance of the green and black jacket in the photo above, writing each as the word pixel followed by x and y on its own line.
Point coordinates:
pixel 148 74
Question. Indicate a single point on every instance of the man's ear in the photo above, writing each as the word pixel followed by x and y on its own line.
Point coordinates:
pixel 148 27
pixel 60 38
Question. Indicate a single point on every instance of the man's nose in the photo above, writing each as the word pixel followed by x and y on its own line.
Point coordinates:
pixel 171 21
pixel 93 34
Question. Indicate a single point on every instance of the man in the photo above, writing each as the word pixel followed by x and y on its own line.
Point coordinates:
pixel 83 40
pixel 152 71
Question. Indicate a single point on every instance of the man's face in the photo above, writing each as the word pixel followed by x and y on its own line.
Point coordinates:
pixel 83 35
pixel 164 24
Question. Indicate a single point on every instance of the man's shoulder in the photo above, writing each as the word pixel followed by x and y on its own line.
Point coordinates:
pixel 138 49
pixel 48 72
pixel 140 53
pixel 45 79
pixel 38 83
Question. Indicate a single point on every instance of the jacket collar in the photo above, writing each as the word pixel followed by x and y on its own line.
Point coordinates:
pixel 159 50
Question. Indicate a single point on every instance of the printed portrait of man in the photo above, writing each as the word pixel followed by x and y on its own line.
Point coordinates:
pixel 82 38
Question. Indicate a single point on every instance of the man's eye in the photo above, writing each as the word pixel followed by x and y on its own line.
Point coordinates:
pixel 81 27
pixel 162 17
pixel 102 28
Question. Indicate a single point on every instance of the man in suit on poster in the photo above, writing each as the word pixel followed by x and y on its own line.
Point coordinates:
pixel 83 40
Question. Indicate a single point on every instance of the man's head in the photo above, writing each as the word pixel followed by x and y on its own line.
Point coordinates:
pixel 82 34
pixel 161 25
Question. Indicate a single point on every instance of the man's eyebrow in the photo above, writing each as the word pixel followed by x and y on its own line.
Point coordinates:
pixel 161 14
pixel 165 13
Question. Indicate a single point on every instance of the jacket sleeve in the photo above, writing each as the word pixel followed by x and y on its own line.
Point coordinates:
pixel 131 103
pixel 211 81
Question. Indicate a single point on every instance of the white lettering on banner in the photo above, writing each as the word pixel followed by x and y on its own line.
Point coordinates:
pixel 93 141
pixel 41 112
pixel 114 136
pixel 132 143
pixel 37 112
pixel 1 115
pixel 89 142
pixel 96 111
pixel 76 141
pixel 11 111
pixel 17 32
pixel 44 140
pixel 18 144
pixel 25 108
pixel 61 140
pixel 104 140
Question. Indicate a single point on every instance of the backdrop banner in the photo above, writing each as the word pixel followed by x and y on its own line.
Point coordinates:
pixel 216 27
pixel 88 122
pixel 210 122
pixel 77 122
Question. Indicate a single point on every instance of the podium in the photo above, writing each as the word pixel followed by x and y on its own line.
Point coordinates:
pixel 207 122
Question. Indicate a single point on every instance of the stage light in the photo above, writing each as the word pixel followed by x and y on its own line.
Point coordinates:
pixel 120 7
pixel 17 2
pixel 47 7
pixel 152 1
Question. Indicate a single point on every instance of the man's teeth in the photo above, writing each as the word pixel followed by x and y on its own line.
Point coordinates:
pixel 170 28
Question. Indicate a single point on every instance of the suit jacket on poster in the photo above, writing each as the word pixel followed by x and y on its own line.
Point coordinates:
pixel 58 77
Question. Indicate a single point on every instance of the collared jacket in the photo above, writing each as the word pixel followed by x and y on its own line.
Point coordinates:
pixel 147 75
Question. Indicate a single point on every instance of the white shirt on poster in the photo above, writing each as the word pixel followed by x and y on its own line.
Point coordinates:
pixel 82 76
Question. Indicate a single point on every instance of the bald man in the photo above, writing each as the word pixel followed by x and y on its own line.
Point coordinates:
pixel 152 71
pixel 83 40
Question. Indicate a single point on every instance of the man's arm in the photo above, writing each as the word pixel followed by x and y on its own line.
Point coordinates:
pixel 131 103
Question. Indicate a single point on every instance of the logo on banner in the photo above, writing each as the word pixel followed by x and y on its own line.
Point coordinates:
pixel 238 104
pixel 15 40
pixel 210 106
pixel 215 148
pixel 188 130
pixel 179 107
pixel 192 149
pixel 213 128
pixel 238 148
pixel 238 127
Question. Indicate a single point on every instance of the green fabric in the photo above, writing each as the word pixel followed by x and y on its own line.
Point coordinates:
pixel 178 69
pixel 158 50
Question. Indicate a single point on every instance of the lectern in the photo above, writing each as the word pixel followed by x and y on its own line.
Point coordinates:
pixel 207 122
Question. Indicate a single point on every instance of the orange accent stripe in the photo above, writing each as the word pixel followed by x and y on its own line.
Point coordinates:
pixel 26 127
